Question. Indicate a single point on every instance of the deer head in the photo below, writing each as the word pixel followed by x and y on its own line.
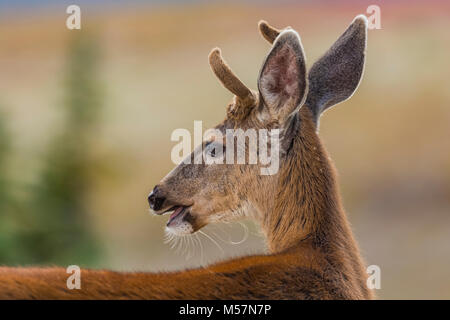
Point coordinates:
pixel 198 193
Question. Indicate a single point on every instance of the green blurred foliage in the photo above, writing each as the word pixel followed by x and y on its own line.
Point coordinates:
pixel 7 220
pixel 52 225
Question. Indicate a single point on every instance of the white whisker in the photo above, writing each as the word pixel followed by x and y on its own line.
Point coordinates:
pixel 201 249
pixel 245 234
pixel 214 241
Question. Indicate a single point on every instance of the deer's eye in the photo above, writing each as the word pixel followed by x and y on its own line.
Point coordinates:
pixel 214 150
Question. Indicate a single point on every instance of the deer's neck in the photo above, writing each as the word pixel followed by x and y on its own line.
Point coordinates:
pixel 306 206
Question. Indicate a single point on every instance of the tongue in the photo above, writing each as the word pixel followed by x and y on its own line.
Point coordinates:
pixel 175 213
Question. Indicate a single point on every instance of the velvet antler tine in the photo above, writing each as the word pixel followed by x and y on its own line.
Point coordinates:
pixel 267 31
pixel 228 78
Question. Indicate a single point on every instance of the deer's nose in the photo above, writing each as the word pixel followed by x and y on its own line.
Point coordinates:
pixel 156 199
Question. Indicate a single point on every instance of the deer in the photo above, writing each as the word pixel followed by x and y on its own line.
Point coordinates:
pixel 312 253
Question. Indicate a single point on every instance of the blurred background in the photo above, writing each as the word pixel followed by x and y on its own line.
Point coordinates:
pixel 86 117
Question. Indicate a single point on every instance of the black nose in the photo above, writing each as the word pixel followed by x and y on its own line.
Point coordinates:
pixel 156 199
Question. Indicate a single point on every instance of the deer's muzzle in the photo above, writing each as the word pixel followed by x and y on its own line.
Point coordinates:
pixel 156 199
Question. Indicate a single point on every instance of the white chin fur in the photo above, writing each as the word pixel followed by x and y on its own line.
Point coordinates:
pixel 180 229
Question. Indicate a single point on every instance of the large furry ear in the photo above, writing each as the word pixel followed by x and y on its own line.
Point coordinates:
pixel 282 80
pixel 335 77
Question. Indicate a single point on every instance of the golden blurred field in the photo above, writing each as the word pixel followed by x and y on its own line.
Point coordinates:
pixel 389 142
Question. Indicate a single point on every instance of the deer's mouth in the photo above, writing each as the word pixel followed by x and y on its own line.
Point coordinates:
pixel 179 214
pixel 181 220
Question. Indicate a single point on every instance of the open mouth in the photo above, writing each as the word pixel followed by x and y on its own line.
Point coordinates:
pixel 179 214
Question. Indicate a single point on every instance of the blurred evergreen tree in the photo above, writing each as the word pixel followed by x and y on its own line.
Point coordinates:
pixel 55 226
pixel 13 220
pixel 8 250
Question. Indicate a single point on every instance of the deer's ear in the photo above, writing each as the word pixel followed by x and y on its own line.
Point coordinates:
pixel 335 76
pixel 282 80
